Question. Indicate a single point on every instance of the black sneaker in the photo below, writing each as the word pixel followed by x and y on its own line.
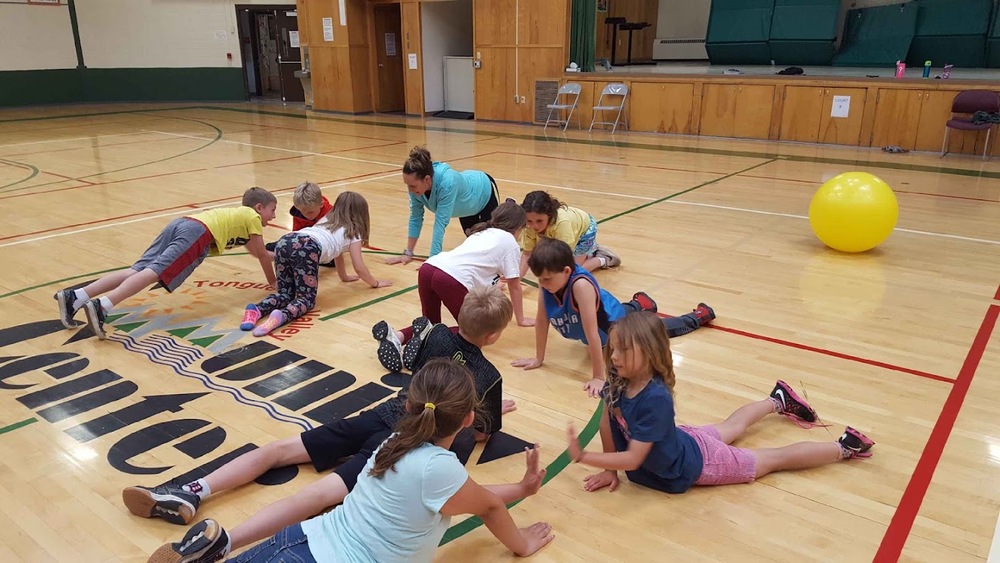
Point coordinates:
pixel 206 541
pixel 793 406
pixel 389 348
pixel 411 351
pixel 66 297
pixel 170 502
pixel 95 317
pixel 855 444
pixel 270 246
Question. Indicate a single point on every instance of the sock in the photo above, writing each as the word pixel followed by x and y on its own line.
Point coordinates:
pixel 106 304
pixel 845 452
pixel 602 260
pixel 778 408
pixel 79 298
pixel 199 487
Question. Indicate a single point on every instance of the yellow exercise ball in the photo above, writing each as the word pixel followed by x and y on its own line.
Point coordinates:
pixel 853 212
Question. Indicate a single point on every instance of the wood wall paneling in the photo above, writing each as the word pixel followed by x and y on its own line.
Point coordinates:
pixel 801 114
pixel 842 130
pixel 718 110
pixel 662 108
pixel 411 42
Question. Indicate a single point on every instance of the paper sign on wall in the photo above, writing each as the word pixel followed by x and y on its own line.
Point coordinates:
pixel 343 13
pixel 293 39
pixel 390 44
pixel 327 29
pixel 221 35
pixel 413 61
pixel 841 106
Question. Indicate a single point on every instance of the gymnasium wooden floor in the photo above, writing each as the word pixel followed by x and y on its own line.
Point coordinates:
pixel 898 342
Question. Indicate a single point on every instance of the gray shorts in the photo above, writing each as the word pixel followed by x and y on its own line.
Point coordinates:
pixel 177 251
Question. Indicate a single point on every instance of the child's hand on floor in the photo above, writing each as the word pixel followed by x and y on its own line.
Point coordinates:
pixel 593 387
pixel 507 405
pixel 526 321
pixel 600 480
pixel 527 363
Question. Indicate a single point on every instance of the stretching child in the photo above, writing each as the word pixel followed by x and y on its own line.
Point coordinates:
pixel 180 248
pixel 309 206
pixel 485 314
pixel 404 498
pixel 572 301
pixel 489 255
pixel 639 435
pixel 577 228
pixel 298 255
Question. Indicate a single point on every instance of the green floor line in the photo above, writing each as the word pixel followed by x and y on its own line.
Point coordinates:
pixel 343 312
pixel 34 172
pixel 551 470
pixel 16 425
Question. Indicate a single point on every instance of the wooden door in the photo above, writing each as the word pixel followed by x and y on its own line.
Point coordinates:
pixel 935 111
pixel 802 114
pixel 753 112
pixel 390 94
pixel 896 117
pixel 495 84
pixel 842 130
pixel 662 108
pixel 718 110
pixel 289 55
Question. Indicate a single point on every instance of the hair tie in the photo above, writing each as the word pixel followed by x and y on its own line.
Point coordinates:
pixel 429 406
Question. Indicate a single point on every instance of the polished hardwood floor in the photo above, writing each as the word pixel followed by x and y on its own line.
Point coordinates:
pixel 898 342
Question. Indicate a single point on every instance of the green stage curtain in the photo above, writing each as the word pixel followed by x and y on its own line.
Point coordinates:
pixel 583 35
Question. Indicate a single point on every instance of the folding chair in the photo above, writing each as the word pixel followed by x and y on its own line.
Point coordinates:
pixel 611 90
pixel 971 101
pixel 571 91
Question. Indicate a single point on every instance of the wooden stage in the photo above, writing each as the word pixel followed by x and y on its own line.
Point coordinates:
pixel 899 342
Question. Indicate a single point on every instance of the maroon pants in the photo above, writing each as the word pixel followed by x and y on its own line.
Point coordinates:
pixel 435 288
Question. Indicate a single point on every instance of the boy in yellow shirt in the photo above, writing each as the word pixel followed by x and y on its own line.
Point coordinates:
pixel 180 248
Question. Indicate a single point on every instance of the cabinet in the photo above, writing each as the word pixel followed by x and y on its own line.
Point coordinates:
pixel 739 110
pixel 806 115
pixel 914 119
pixel 662 107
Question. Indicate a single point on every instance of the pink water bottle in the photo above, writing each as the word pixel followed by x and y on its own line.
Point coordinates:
pixel 900 69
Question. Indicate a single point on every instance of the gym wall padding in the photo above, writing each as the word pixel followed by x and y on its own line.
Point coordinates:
pixel 803 32
pixel 951 32
pixel 878 36
pixel 993 42
pixel 738 31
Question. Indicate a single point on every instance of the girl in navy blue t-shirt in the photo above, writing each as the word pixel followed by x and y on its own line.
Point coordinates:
pixel 639 435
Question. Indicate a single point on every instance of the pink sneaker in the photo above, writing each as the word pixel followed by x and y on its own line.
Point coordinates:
pixel 274 320
pixel 855 444
pixel 250 317
pixel 793 406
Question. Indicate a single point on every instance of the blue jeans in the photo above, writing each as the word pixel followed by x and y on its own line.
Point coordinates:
pixel 288 545
pixel 676 326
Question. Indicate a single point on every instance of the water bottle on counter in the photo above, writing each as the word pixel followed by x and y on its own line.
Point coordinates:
pixel 927 69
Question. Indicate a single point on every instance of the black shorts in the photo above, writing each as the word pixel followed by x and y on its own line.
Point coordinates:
pixel 484 214
pixel 355 438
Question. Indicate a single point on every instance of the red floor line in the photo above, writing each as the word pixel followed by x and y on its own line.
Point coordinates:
pixel 997 296
pixel 46 172
pixel 366 148
pixel 831 353
pixel 898 191
pixel 92 184
pixel 612 163
pixel 906 512
pixel 475 156
pixel 299 130
pixel 263 161
pixel 188 205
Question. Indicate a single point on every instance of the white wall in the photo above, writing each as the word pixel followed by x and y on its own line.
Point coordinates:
pixel 35 37
pixel 447 31
pixel 682 19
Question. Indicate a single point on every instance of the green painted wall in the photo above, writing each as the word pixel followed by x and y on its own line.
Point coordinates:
pixel 34 87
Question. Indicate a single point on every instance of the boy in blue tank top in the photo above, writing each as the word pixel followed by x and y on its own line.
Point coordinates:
pixel 573 302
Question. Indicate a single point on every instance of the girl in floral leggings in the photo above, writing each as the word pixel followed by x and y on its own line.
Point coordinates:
pixel 297 257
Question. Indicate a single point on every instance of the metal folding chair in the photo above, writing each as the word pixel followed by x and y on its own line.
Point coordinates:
pixel 617 90
pixel 571 92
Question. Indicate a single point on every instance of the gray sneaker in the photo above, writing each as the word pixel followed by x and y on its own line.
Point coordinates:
pixel 389 348
pixel 170 502
pixel 604 252
pixel 206 541
pixel 66 297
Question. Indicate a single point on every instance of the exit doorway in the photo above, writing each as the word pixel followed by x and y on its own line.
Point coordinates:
pixel 270 52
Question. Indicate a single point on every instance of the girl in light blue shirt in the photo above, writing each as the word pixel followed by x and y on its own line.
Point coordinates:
pixel 404 499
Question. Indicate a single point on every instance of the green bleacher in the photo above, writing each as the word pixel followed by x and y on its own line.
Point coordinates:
pixel 803 32
pixel 877 36
pixel 951 32
pixel 738 31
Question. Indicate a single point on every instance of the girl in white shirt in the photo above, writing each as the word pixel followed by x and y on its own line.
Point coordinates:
pixel 297 257
pixel 405 497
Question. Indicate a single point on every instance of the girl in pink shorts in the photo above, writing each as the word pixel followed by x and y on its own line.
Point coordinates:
pixel 639 435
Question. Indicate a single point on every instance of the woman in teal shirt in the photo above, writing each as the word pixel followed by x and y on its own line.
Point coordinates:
pixel 470 195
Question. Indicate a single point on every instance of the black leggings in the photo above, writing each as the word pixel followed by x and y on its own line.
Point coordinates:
pixel 484 214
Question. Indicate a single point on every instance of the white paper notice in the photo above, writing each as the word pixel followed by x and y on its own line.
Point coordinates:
pixel 841 106
pixel 221 35
pixel 293 39
pixel 327 29
pixel 390 44
pixel 343 13
pixel 413 61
